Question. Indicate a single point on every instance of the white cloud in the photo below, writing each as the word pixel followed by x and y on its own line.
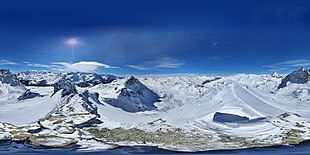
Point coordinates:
pixel 138 67
pixel 215 58
pixel 7 62
pixel 285 65
pixel 29 64
pixel 160 63
pixel 83 66
pixel 38 65
pixel 212 43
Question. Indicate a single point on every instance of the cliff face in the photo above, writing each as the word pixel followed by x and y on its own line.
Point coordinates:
pixel 66 86
pixel 299 76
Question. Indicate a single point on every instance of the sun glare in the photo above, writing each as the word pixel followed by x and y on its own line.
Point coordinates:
pixel 72 41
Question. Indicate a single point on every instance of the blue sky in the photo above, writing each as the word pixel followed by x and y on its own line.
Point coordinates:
pixel 156 36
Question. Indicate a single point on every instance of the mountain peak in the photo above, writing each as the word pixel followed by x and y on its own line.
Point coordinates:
pixel 131 81
pixel 88 79
pixel 299 76
pixel 6 76
pixel 66 86
pixel 302 69
pixel 133 96
pixel 5 71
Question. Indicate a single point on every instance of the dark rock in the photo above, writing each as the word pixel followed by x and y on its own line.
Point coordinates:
pixel 28 95
pixel 208 81
pixel 65 85
pixel 228 118
pixel 299 76
pixel 87 105
pixel 6 76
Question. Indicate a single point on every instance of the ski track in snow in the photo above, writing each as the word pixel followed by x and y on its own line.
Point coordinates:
pixel 255 104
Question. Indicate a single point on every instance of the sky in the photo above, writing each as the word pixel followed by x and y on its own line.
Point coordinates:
pixel 155 36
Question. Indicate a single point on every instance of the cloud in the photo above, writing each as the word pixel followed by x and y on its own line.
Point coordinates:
pixel 212 44
pixel 83 66
pixel 286 65
pixel 138 67
pixel 215 58
pixel 35 64
pixel 160 63
pixel 7 62
pixel 38 65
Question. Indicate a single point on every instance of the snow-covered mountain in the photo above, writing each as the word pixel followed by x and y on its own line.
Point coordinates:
pixel 6 76
pixel 184 112
pixel 128 94
pixel 88 79
pixel 38 78
pixel 66 86
pixel 43 78
pixel 300 76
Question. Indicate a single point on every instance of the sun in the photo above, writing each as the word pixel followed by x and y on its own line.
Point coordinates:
pixel 72 41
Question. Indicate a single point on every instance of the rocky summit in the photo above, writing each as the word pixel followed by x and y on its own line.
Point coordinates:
pixel 6 76
pixel 299 76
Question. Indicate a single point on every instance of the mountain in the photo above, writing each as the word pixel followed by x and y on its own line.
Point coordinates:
pixel 10 87
pixel 29 94
pixel 180 112
pixel 38 78
pixel 44 78
pixel 6 76
pixel 300 76
pixel 130 95
pixel 66 86
pixel 88 79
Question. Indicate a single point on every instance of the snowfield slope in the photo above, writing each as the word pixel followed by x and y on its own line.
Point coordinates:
pixel 184 113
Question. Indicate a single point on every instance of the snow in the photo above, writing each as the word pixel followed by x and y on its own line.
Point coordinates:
pixel 88 79
pixel 241 105
pixel 27 111
pixel 132 96
pixel 38 78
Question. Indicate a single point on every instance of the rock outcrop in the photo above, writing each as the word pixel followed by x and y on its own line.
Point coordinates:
pixel 133 96
pixel 28 94
pixel 300 76
pixel 66 86
pixel 6 76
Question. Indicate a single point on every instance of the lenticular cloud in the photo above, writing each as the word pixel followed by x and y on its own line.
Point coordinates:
pixel 83 66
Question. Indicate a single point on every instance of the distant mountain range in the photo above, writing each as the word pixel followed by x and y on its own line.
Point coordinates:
pixel 182 113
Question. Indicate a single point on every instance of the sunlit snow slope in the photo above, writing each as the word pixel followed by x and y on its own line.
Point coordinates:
pixel 243 110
